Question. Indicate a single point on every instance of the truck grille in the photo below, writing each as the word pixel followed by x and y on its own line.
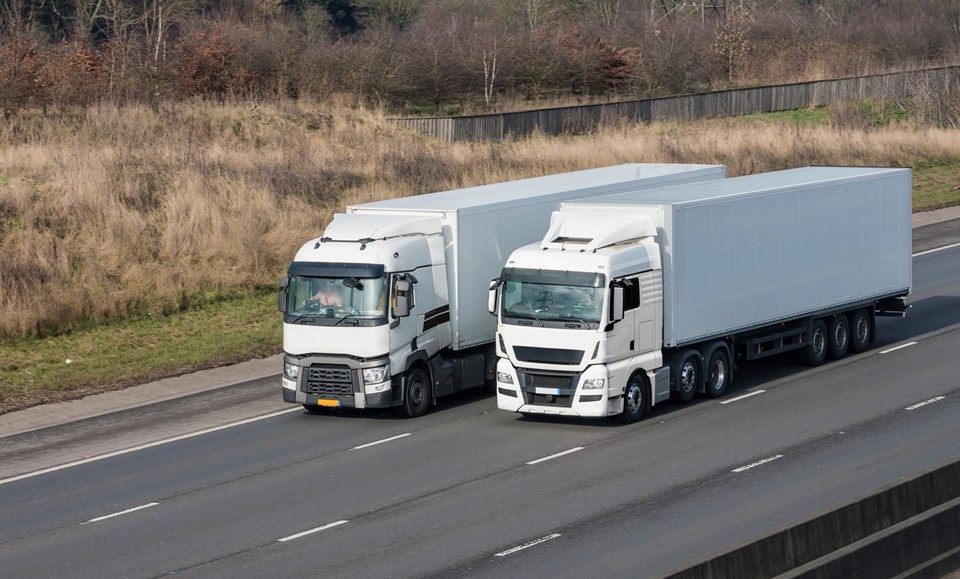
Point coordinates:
pixel 564 386
pixel 335 380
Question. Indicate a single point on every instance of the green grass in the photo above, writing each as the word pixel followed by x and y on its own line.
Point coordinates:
pixel 110 357
pixel 806 117
pixel 933 185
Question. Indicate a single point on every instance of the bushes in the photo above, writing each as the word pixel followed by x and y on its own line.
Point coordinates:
pixel 470 53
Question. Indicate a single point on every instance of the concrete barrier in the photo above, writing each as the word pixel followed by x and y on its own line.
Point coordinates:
pixel 925 546
pixel 896 530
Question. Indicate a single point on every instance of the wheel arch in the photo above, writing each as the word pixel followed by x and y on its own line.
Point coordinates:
pixel 418 357
pixel 708 350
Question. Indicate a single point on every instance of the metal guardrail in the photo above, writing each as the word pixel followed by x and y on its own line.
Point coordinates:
pixel 724 103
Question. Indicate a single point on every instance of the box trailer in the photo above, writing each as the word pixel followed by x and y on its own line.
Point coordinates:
pixel 388 307
pixel 685 280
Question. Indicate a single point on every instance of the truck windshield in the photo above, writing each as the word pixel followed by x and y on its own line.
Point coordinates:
pixel 558 299
pixel 334 300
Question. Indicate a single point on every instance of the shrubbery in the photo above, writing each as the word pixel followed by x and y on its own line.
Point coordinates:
pixel 437 55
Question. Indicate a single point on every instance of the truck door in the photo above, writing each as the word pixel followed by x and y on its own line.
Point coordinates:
pixel 622 339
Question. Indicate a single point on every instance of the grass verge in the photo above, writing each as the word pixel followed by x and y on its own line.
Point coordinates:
pixel 935 185
pixel 111 357
pixel 174 225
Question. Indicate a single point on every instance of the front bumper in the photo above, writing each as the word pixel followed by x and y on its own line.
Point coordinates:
pixel 552 393
pixel 335 382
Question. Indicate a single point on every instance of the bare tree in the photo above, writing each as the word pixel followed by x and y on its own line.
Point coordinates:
pixel 604 11
pixel 531 14
pixel 490 70
pixel 20 67
pixel 539 65
pixel 159 17
pixel 396 13
pixel 730 41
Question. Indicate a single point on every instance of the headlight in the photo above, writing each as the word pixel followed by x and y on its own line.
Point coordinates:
pixel 593 383
pixel 504 377
pixel 376 375
pixel 291 370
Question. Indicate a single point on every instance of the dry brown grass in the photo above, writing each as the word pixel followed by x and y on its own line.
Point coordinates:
pixel 126 211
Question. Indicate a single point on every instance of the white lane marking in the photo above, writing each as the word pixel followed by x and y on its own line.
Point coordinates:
pixel 748 395
pixel 144 446
pixel 758 463
pixel 369 444
pixel 553 456
pixel 936 250
pixel 527 545
pixel 311 531
pixel 900 347
pixel 924 403
pixel 110 516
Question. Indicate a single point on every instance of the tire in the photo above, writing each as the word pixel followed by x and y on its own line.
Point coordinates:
pixel 839 337
pixel 689 378
pixel 718 373
pixel 416 394
pixel 860 331
pixel 634 399
pixel 816 351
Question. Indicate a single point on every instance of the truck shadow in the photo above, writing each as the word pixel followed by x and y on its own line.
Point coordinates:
pixel 449 403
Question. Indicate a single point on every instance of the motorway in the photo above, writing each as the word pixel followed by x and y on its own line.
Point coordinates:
pixel 233 483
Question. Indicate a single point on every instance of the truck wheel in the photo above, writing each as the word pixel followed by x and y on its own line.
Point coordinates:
pixel 689 376
pixel 816 351
pixel 634 401
pixel 718 373
pixel 860 331
pixel 839 334
pixel 416 394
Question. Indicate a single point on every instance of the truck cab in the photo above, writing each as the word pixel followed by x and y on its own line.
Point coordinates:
pixel 357 303
pixel 578 314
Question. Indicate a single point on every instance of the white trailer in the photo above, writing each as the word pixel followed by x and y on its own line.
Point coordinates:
pixel 388 307
pixel 634 297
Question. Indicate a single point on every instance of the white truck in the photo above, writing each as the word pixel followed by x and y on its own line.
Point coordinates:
pixel 388 307
pixel 634 298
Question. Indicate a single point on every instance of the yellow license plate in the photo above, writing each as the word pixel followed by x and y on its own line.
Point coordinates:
pixel 328 402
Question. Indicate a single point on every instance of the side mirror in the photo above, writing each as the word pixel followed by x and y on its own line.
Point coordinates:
pixel 282 296
pixel 402 307
pixel 616 307
pixel 402 288
pixel 492 295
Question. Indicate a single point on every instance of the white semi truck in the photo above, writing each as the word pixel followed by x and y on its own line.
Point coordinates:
pixel 388 307
pixel 635 298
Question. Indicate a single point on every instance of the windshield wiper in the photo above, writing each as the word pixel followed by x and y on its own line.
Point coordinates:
pixel 578 320
pixel 524 317
pixel 354 317
pixel 301 316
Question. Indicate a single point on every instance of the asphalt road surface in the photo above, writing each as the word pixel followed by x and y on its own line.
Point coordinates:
pixel 262 489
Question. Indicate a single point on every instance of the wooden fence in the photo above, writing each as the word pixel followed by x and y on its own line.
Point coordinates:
pixel 724 103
